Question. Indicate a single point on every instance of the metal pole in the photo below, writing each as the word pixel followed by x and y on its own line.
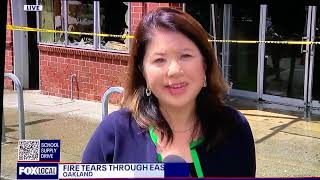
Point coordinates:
pixel 95 23
pixel 71 93
pixel 105 98
pixel 214 34
pixel 38 24
pixel 65 21
pixel 261 50
pixel 20 103
pixel 227 23
pixel 3 139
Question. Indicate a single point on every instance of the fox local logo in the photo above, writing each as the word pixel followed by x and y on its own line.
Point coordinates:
pixel 37 170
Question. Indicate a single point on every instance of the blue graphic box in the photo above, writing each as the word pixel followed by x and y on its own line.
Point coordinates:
pixel 176 169
pixel 50 150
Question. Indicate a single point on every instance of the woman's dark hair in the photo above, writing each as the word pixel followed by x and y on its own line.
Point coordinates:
pixel 209 103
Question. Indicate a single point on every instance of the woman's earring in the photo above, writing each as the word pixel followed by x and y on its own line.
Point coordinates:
pixel 148 92
pixel 205 82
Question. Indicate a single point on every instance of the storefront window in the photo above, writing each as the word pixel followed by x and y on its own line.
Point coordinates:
pixel 51 18
pixel 80 19
pixel 114 19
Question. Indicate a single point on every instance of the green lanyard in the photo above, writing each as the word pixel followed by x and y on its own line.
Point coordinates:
pixel 193 150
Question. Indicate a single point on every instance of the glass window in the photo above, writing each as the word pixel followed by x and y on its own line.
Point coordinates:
pixel 284 67
pixel 201 12
pixel 80 19
pixel 243 57
pixel 51 17
pixel 115 22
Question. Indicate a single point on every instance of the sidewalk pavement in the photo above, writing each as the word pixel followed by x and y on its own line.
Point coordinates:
pixel 287 143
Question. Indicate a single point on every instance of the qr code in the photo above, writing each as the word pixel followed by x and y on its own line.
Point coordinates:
pixel 29 150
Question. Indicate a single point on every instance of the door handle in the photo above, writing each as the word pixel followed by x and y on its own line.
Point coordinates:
pixel 302 49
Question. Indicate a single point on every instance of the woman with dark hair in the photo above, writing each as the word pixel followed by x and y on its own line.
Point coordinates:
pixel 173 104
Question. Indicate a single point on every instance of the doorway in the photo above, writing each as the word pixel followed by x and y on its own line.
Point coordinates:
pixel 285 67
pixel 286 73
pixel 33 52
pixel 239 60
pixel 314 73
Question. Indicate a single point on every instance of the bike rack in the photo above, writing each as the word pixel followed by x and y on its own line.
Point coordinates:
pixel 19 88
pixel 105 98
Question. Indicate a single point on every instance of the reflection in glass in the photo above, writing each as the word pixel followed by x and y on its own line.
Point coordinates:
pixel 243 61
pixel 114 19
pixel 80 19
pixel 51 18
pixel 201 12
pixel 218 15
pixel 284 64
pixel 316 66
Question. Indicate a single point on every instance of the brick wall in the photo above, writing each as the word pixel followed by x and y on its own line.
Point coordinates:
pixel 138 9
pixel 8 84
pixel 151 6
pixel 95 72
pixel 137 12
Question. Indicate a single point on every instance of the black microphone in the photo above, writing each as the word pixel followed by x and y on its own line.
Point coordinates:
pixel 173 159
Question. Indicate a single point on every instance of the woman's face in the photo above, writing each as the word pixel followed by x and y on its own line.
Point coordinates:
pixel 173 68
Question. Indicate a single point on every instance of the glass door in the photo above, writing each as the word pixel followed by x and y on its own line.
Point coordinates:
pixel 314 73
pixel 240 60
pixel 286 66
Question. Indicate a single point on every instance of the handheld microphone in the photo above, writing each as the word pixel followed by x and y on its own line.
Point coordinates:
pixel 173 159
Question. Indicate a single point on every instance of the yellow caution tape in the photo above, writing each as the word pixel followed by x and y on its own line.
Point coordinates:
pixel 124 36
pixel 22 28
pixel 267 42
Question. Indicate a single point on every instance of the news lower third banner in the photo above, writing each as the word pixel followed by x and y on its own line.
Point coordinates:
pixel 87 171
pixel 40 159
pixel 94 171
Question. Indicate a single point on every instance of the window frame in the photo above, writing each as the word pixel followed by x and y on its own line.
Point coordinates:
pixel 99 31
pixel 96 29
pixel 38 17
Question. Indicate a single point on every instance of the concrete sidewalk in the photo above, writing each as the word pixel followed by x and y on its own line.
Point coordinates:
pixel 287 144
pixel 49 117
